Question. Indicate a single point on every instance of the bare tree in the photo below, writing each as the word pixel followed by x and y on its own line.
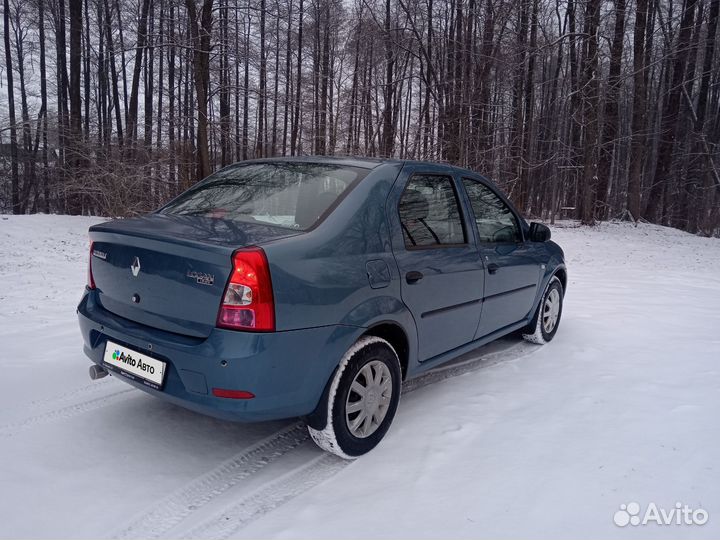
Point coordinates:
pixel 200 31
pixel 11 108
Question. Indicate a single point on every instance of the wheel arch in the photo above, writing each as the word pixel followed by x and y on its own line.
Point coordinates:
pixel 395 335
pixel 561 273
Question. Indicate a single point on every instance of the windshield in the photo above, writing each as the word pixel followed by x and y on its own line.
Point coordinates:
pixel 292 195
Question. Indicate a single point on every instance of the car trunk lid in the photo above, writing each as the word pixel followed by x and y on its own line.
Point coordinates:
pixel 169 272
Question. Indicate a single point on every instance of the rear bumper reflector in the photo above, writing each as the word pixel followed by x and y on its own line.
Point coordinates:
pixel 232 394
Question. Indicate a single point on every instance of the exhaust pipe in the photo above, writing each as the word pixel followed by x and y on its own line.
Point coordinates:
pixel 97 372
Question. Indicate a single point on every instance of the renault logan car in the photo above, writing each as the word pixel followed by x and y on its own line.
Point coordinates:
pixel 312 288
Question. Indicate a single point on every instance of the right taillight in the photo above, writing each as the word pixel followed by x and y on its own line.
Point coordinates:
pixel 248 300
pixel 90 279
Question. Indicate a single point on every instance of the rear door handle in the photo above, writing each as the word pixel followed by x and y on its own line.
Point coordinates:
pixel 413 277
pixel 492 268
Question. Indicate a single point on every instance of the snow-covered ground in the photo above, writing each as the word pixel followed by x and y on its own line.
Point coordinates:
pixel 515 440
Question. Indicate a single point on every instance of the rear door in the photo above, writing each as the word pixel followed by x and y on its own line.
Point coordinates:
pixel 512 270
pixel 441 273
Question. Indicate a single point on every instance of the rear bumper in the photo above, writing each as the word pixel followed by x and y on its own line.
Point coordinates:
pixel 286 371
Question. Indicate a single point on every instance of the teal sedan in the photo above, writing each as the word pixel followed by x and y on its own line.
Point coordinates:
pixel 313 288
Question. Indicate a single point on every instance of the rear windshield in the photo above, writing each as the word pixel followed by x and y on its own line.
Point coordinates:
pixel 292 195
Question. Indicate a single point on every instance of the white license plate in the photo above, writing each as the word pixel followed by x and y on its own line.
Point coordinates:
pixel 135 365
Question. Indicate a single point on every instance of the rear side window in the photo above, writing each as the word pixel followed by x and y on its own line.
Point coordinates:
pixel 429 213
pixel 494 220
pixel 292 195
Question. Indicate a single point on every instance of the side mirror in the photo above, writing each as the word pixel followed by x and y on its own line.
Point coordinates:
pixel 539 232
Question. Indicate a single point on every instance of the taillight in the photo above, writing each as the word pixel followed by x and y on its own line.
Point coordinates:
pixel 90 279
pixel 248 301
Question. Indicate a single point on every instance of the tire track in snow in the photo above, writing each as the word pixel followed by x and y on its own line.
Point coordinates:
pixel 435 375
pixel 9 430
pixel 90 388
pixel 177 506
pixel 301 479
pixel 268 498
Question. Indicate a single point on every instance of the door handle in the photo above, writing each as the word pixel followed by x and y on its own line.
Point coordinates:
pixel 413 277
pixel 492 268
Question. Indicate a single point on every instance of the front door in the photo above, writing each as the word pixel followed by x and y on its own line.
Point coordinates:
pixel 440 270
pixel 512 272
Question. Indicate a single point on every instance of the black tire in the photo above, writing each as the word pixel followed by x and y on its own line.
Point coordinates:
pixel 536 331
pixel 369 352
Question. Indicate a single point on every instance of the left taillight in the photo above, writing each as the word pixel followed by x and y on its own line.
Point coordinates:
pixel 90 279
pixel 248 302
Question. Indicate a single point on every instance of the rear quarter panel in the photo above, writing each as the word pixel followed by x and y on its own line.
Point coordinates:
pixel 321 278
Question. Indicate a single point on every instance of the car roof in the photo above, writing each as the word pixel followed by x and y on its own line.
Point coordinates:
pixel 359 161
pixel 350 161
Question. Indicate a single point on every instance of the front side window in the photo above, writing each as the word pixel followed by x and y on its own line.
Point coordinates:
pixel 495 221
pixel 429 213
pixel 292 195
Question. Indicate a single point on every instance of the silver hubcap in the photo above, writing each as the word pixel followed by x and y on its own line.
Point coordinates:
pixel 551 310
pixel 369 399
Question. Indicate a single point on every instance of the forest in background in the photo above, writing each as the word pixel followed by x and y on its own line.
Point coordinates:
pixel 585 109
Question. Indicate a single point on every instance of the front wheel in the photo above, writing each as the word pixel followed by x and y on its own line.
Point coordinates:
pixel 547 317
pixel 362 399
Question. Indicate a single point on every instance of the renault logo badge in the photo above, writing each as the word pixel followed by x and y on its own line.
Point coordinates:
pixel 135 267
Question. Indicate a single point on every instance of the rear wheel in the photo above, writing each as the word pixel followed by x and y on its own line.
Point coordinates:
pixel 362 399
pixel 547 318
